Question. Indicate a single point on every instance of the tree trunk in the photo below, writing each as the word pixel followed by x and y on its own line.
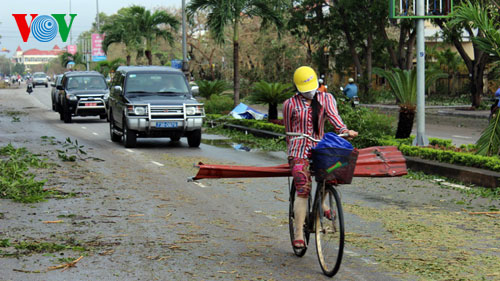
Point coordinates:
pixel 405 122
pixel 272 113
pixel 128 59
pixel 149 56
pixel 236 76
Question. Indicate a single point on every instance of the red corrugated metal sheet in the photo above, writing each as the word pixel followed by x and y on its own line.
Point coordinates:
pixel 378 161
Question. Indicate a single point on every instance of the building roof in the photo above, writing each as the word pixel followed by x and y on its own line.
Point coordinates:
pixel 36 52
pixel 19 49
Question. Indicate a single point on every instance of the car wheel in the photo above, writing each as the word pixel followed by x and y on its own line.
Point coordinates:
pixel 46 85
pixel 34 86
pixel 129 136
pixel 194 138
pixel 114 137
pixel 53 105
pixel 103 116
pixel 66 113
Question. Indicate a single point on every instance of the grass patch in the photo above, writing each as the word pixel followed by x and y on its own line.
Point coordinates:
pixel 473 191
pixel 16 180
pixel 24 248
pixel 432 244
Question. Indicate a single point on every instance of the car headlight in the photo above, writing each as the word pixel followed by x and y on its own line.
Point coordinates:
pixel 71 97
pixel 194 110
pixel 137 110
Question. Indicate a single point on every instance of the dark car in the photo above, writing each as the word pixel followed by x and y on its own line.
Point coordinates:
pixel 54 93
pixel 82 93
pixel 153 101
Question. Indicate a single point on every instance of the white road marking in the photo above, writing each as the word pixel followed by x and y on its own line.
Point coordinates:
pixel 85 128
pixel 157 164
pixel 461 137
pixel 129 150
pixel 95 134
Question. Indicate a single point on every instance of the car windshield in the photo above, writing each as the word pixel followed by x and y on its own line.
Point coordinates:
pixel 163 83
pixel 86 83
pixel 39 75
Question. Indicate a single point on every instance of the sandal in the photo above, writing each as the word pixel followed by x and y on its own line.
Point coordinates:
pixel 299 244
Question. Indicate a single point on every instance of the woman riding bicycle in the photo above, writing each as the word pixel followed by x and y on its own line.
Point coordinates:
pixel 305 113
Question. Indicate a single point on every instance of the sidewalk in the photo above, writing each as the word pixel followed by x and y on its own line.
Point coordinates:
pixel 459 110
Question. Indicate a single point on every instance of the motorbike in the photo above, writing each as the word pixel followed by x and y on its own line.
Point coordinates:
pixel 29 88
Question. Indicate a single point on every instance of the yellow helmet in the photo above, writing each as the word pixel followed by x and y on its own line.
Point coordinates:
pixel 305 79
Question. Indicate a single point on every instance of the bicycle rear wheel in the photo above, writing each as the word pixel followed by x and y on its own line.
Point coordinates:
pixel 291 222
pixel 329 231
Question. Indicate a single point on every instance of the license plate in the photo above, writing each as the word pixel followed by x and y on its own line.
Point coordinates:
pixel 166 124
pixel 90 104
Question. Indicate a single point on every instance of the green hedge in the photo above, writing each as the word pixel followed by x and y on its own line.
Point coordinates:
pixel 445 156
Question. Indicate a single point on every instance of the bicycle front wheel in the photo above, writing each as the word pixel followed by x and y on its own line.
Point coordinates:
pixel 329 226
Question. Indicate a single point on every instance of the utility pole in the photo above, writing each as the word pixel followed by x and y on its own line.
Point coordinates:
pixel 185 67
pixel 421 139
pixel 70 32
pixel 97 18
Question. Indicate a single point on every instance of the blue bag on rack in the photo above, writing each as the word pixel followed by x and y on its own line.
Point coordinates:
pixel 334 158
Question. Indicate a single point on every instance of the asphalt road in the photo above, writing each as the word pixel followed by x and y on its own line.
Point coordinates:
pixel 142 220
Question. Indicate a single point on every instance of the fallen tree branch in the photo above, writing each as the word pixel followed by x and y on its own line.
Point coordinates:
pixel 65 266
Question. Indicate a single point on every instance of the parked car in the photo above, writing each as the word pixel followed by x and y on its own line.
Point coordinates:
pixel 54 93
pixel 153 101
pixel 40 78
pixel 82 93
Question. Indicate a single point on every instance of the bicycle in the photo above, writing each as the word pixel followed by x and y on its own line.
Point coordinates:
pixel 325 218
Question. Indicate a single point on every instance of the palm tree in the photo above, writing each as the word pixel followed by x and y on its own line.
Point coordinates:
pixel 151 26
pixel 77 58
pixel 104 67
pixel 404 86
pixel 209 88
pixel 483 18
pixel 120 29
pixel 224 13
pixel 271 94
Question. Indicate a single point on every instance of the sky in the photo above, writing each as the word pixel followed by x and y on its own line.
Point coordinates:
pixel 85 10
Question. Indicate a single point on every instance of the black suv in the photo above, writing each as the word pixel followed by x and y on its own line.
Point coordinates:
pixel 82 93
pixel 153 101
pixel 54 93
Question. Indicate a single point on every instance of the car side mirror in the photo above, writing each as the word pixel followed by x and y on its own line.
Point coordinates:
pixel 195 90
pixel 60 87
pixel 118 89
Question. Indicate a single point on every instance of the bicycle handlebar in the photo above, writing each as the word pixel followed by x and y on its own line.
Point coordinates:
pixel 306 136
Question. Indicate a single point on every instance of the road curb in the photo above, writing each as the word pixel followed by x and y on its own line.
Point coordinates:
pixel 255 132
pixel 479 177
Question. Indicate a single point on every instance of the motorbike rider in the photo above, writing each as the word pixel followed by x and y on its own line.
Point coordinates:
pixel 322 87
pixel 351 90
pixel 306 112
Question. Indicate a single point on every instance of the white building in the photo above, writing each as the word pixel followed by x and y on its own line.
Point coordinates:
pixel 35 57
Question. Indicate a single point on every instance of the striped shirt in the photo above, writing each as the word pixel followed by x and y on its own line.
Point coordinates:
pixel 297 115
